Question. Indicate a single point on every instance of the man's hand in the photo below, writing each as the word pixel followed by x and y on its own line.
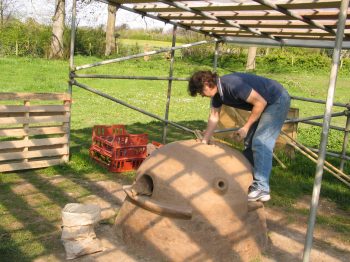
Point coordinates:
pixel 205 142
pixel 240 134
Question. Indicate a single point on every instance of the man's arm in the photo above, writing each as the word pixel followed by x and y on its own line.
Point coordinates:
pixel 212 122
pixel 259 104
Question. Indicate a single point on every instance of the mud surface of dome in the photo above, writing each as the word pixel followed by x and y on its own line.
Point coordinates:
pixel 189 203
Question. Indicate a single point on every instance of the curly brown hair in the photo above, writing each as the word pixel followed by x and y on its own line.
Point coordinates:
pixel 197 80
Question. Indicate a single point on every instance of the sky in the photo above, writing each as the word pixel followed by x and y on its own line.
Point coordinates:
pixel 92 15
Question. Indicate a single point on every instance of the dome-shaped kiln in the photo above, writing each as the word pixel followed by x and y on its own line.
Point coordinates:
pixel 189 203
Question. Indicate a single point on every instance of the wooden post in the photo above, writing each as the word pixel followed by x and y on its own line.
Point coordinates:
pixel 251 58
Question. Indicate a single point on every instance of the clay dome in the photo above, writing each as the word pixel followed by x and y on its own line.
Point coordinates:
pixel 189 203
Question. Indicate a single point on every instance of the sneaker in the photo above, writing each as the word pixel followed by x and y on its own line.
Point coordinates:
pixel 258 195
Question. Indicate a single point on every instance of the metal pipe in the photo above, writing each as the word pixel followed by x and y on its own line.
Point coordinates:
pixel 72 43
pixel 170 82
pixel 216 56
pixel 162 50
pixel 71 66
pixel 316 101
pixel 342 129
pixel 296 120
pixel 258 41
pixel 333 154
pixel 97 92
pixel 325 129
pixel 345 142
pixel 129 77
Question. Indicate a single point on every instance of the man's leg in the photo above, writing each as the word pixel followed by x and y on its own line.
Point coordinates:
pixel 264 140
pixel 248 152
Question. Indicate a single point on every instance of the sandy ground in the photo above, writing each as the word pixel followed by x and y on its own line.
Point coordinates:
pixel 286 235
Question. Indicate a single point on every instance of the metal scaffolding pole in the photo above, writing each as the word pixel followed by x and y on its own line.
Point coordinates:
pixel 170 82
pixel 251 41
pixel 333 154
pixel 325 129
pixel 97 92
pixel 71 67
pixel 313 117
pixel 129 77
pixel 72 44
pixel 318 101
pixel 216 56
pixel 345 141
pixel 342 129
pixel 162 50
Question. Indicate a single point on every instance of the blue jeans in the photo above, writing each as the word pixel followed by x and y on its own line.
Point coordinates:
pixel 261 139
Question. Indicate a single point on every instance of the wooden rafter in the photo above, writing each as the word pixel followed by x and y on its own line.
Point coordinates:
pixel 288 12
pixel 276 20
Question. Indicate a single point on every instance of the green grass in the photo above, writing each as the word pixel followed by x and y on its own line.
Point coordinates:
pixel 29 221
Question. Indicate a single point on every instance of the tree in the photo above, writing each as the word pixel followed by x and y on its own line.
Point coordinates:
pixel 56 50
pixel 7 7
pixel 110 30
pixel 251 58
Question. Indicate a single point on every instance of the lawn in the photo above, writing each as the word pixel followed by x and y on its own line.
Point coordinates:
pixel 29 222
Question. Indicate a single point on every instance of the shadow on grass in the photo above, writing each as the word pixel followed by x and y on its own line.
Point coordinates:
pixel 31 201
pixel 29 227
pixel 289 185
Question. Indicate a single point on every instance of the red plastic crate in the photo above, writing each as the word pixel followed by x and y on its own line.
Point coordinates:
pixel 117 146
pixel 125 164
pixel 119 151
pixel 115 164
pixel 103 130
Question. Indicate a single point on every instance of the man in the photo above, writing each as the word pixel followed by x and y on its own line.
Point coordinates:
pixel 268 102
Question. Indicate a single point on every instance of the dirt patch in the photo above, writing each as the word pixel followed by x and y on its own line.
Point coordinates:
pixel 286 230
pixel 287 236
pixel 325 207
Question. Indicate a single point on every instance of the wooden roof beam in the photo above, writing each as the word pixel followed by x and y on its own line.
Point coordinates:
pixel 208 7
pixel 143 14
pixel 295 15
pixel 230 23
pixel 267 15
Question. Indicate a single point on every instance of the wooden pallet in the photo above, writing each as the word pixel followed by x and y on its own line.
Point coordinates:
pixel 34 130
pixel 232 117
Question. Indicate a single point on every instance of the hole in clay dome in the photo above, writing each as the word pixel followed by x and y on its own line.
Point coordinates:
pixel 221 184
pixel 143 186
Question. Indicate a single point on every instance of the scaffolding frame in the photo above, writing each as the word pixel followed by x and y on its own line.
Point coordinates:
pixel 332 39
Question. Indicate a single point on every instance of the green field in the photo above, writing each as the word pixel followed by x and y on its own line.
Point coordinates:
pixel 28 231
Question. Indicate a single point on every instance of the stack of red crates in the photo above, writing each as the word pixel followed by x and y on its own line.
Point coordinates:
pixel 114 148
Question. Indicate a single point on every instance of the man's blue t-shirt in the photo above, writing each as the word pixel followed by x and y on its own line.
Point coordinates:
pixel 234 89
